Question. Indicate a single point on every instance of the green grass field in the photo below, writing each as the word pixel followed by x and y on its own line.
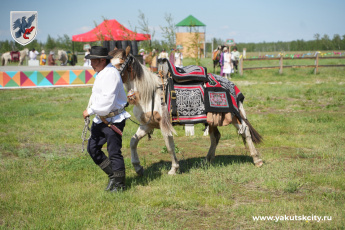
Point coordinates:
pixel 46 182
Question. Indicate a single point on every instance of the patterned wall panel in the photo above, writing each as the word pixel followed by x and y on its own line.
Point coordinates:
pixel 24 79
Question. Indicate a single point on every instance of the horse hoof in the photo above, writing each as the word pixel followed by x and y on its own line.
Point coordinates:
pixel 140 172
pixel 172 172
pixel 259 163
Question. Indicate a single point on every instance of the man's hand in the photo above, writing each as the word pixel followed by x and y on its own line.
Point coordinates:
pixel 85 114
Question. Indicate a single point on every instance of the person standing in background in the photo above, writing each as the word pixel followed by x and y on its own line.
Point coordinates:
pixel 221 62
pixel 87 62
pixel 33 54
pixel 226 63
pixel 235 57
pixel 154 62
pixel 163 54
pixel 178 58
pixel 172 57
pixel 51 60
pixel 43 58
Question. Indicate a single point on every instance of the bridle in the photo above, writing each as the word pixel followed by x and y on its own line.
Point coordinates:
pixel 126 65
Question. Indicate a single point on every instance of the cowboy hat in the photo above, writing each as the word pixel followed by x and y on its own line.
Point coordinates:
pixel 98 52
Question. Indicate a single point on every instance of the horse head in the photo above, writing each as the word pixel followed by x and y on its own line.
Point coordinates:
pixel 129 67
pixel 62 55
pixel 135 76
pixel 24 52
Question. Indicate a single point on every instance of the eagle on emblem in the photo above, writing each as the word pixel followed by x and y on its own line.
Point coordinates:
pixel 24 26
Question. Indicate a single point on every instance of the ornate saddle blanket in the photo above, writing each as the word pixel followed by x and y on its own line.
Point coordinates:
pixel 186 102
pixel 222 95
pixel 187 73
pixel 189 103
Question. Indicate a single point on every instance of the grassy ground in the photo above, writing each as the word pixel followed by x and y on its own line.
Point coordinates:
pixel 46 182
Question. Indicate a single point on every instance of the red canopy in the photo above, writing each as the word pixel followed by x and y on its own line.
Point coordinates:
pixel 110 30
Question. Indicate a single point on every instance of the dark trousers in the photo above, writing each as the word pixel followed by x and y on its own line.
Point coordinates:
pixel 101 134
pixel 235 63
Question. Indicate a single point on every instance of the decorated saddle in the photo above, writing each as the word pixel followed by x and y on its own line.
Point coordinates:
pixel 190 101
pixel 187 73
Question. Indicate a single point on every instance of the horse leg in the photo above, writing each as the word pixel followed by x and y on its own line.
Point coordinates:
pixel 243 129
pixel 141 132
pixel 215 137
pixel 169 142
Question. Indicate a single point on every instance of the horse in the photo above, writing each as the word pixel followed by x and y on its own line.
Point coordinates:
pixel 146 91
pixel 62 57
pixel 5 57
pixel 216 57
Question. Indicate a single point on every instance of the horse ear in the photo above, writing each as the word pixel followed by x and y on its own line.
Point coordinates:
pixel 128 49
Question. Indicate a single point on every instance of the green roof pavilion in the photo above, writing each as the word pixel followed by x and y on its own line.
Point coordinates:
pixel 192 24
pixel 190 21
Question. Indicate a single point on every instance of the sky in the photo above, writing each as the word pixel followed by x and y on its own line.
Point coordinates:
pixel 244 21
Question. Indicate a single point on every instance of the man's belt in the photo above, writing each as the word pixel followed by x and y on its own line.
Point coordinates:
pixel 113 113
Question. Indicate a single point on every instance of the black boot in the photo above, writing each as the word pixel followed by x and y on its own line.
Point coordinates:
pixel 106 167
pixel 119 181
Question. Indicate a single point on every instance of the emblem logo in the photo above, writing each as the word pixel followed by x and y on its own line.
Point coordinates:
pixel 23 26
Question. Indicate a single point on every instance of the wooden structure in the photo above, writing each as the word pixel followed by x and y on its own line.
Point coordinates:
pixel 192 40
pixel 316 66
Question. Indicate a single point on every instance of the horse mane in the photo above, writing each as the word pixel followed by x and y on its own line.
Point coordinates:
pixel 144 85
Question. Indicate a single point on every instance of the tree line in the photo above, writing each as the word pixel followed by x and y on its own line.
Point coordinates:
pixel 323 43
pixel 319 43
pixel 65 43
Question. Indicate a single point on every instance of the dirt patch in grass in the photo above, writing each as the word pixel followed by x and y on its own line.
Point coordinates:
pixel 201 218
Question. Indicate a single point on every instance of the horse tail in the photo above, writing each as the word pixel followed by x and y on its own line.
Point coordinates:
pixel 256 137
pixel 165 124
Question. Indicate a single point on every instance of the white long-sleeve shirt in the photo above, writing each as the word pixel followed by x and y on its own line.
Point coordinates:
pixel 108 95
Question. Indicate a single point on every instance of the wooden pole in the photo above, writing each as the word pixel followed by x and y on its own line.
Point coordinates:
pixel 281 64
pixel 316 63
pixel 241 65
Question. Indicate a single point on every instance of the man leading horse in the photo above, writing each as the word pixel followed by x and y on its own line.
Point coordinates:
pixel 107 102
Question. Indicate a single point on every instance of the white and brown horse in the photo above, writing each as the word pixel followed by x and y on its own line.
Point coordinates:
pixel 5 57
pixel 152 112
pixel 62 57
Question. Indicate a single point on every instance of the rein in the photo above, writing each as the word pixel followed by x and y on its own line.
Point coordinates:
pixel 84 133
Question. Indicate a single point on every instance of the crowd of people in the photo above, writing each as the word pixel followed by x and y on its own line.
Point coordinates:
pixel 50 59
pixel 228 61
pixel 175 57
